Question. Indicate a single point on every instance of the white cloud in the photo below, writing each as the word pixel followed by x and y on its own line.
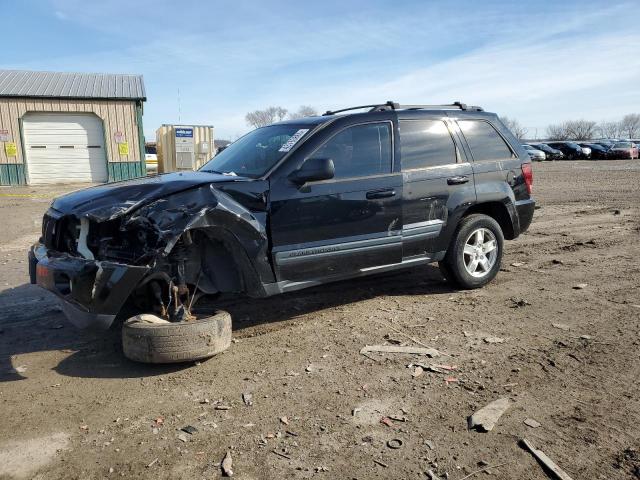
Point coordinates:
pixel 227 59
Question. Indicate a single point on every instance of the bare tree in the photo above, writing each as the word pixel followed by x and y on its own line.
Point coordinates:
pixel 630 125
pixel 261 118
pixel 557 132
pixel 580 129
pixel 518 130
pixel 609 129
pixel 303 111
pixel 572 130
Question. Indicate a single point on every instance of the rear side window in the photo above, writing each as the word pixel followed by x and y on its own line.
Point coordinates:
pixel 426 143
pixel 360 150
pixel 484 141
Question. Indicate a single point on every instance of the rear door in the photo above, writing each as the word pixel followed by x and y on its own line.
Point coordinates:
pixel 437 180
pixel 345 225
pixel 495 162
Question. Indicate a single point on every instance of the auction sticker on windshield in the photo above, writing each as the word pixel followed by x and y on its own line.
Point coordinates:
pixel 293 140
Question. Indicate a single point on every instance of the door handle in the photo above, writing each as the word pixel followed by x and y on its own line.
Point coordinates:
pixel 459 180
pixel 373 194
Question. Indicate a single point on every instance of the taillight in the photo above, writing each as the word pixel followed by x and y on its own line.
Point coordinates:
pixel 527 173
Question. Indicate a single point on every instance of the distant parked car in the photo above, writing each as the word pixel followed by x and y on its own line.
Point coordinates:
pixel 598 152
pixel 552 153
pixel 605 144
pixel 151 158
pixel 534 153
pixel 571 150
pixel 623 150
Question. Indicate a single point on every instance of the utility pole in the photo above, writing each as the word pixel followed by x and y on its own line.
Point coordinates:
pixel 179 109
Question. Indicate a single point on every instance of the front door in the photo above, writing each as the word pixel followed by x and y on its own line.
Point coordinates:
pixel 345 225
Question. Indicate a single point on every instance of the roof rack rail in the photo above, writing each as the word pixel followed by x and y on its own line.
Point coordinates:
pixel 390 105
pixel 373 108
pixel 458 105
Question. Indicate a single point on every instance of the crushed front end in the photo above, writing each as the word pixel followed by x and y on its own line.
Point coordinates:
pixel 159 251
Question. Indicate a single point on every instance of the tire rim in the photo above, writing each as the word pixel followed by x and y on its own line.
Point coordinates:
pixel 480 252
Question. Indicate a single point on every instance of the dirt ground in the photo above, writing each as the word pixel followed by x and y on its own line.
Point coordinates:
pixel 71 406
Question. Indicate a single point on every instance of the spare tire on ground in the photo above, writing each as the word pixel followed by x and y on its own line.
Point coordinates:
pixel 150 339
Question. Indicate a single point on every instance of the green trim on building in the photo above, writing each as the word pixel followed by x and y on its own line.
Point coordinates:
pixel 12 174
pixel 141 136
pixel 23 150
pixel 125 170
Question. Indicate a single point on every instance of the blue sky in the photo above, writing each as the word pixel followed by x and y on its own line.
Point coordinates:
pixel 538 61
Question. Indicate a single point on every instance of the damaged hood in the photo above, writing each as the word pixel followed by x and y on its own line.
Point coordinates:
pixel 105 202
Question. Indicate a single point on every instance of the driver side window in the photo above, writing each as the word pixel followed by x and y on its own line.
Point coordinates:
pixel 360 150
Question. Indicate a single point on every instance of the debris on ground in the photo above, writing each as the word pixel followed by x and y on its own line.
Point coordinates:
pixel 518 264
pixel 486 468
pixel 580 286
pixel 519 302
pixel 227 465
pixel 493 340
pixel 432 476
pixel 382 464
pixel 545 461
pixel 530 422
pixel 486 418
pixel 183 438
pixel 428 351
pixel 417 371
pixel 284 420
pixel 152 463
pixel 431 368
pixel 222 407
pixel 280 454
pixel 394 443
pixel 247 398
pixel 190 429
pixel 386 421
pixel 629 461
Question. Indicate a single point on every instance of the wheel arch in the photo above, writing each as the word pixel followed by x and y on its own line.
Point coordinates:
pixel 226 263
pixel 501 213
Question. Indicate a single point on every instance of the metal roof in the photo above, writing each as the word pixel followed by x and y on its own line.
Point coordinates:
pixel 24 83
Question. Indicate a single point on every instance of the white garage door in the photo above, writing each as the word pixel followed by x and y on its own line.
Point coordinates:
pixel 64 148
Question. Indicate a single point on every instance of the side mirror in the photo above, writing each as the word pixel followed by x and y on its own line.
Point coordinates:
pixel 312 170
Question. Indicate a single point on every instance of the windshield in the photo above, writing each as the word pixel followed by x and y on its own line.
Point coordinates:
pixel 622 145
pixel 255 153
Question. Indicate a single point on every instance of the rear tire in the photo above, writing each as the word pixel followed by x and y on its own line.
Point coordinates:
pixel 176 342
pixel 475 253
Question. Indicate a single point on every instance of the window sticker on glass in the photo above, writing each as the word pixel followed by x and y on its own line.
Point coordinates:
pixel 293 140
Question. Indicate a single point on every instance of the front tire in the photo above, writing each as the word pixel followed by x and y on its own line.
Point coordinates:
pixel 475 253
pixel 164 342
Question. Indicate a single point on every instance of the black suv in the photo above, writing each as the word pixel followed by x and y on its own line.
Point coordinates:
pixel 294 205
pixel 571 150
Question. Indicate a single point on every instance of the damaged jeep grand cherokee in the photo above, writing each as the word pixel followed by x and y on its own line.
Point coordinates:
pixel 293 205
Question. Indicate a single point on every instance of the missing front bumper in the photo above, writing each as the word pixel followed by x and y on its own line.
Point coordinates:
pixel 92 292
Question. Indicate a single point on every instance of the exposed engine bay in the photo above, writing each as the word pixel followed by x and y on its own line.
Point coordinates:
pixel 184 245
